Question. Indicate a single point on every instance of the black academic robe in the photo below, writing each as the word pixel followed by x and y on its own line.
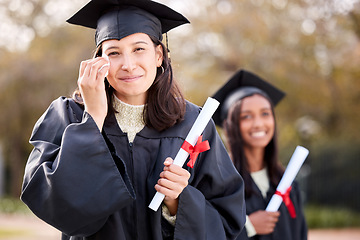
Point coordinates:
pixel 287 228
pixel 95 185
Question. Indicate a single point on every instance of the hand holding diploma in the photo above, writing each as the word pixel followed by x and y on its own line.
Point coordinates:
pixel 283 189
pixel 190 146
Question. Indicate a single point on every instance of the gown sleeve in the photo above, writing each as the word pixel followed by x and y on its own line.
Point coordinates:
pixel 72 179
pixel 212 206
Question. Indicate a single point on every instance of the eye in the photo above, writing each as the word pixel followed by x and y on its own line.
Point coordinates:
pixel 245 117
pixel 266 114
pixel 113 53
pixel 139 49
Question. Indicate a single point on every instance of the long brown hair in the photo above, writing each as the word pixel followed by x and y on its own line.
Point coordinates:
pixel 235 143
pixel 165 105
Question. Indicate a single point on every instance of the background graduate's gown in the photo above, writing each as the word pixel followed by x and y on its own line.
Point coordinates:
pixel 93 185
pixel 287 228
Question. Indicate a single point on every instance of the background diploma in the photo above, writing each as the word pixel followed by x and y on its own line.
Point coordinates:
pixel 290 173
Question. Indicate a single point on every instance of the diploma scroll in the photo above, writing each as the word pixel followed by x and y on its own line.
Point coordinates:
pixel 200 123
pixel 290 173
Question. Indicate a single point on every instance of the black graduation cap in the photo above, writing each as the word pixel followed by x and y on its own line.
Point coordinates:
pixel 241 85
pixel 116 19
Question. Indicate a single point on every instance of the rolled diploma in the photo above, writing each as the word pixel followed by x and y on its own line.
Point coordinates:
pixel 200 123
pixel 290 173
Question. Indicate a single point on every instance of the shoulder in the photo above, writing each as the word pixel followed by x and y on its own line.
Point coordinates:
pixel 65 106
pixel 181 128
pixel 61 111
pixel 192 111
pixel 51 125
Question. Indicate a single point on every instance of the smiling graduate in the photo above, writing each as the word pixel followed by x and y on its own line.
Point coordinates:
pixel 100 156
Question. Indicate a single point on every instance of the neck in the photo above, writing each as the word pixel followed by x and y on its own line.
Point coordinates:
pixel 134 100
pixel 255 158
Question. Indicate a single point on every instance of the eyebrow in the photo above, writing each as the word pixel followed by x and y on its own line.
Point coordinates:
pixel 111 47
pixel 262 109
pixel 139 42
pixel 116 47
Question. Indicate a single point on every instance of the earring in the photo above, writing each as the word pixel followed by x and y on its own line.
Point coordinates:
pixel 162 69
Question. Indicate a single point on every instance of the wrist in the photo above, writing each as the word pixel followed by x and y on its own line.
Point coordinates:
pixel 99 121
pixel 172 205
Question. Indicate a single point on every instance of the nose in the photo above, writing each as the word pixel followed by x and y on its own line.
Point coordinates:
pixel 128 63
pixel 258 122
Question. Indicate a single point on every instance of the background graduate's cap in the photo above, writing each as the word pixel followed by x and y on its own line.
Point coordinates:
pixel 243 84
pixel 116 19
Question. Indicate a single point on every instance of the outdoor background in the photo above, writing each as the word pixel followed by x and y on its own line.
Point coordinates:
pixel 308 48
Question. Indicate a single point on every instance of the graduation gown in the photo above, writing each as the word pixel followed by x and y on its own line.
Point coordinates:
pixel 287 228
pixel 95 185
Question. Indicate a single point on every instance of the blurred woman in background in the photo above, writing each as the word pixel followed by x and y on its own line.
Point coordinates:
pixel 247 115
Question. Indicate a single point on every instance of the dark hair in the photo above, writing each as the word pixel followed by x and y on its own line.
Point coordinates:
pixel 235 144
pixel 165 105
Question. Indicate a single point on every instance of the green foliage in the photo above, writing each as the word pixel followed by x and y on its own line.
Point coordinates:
pixel 30 82
pixel 330 217
pixel 317 70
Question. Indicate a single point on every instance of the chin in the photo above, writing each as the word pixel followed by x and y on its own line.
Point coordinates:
pixel 259 144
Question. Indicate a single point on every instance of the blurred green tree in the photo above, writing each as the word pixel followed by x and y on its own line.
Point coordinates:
pixel 308 48
pixel 29 82
pixel 39 62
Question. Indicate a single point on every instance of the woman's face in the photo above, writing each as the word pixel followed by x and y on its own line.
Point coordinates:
pixel 133 66
pixel 257 124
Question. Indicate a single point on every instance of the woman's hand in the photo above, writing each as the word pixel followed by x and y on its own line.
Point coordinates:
pixel 172 182
pixel 264 222
pixel 92 88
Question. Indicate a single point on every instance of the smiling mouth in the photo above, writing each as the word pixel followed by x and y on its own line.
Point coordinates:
pixel 258 134
pixel 130 78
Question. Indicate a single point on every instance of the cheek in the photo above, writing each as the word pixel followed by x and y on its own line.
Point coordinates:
pixel 147 60
pixel 151 71
pixel 151 67
pixel 244 127
pixel 271 127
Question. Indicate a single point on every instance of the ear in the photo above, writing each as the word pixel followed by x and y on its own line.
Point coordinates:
pixel 159 55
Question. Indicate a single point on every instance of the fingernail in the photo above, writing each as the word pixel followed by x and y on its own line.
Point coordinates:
pixel 105 65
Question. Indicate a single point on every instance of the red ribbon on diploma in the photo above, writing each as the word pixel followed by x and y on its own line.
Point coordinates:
pixel 287 201
pixel 195 150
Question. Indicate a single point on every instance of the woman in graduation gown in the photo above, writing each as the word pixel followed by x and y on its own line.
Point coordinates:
pixel 246 113
pixel 100 156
